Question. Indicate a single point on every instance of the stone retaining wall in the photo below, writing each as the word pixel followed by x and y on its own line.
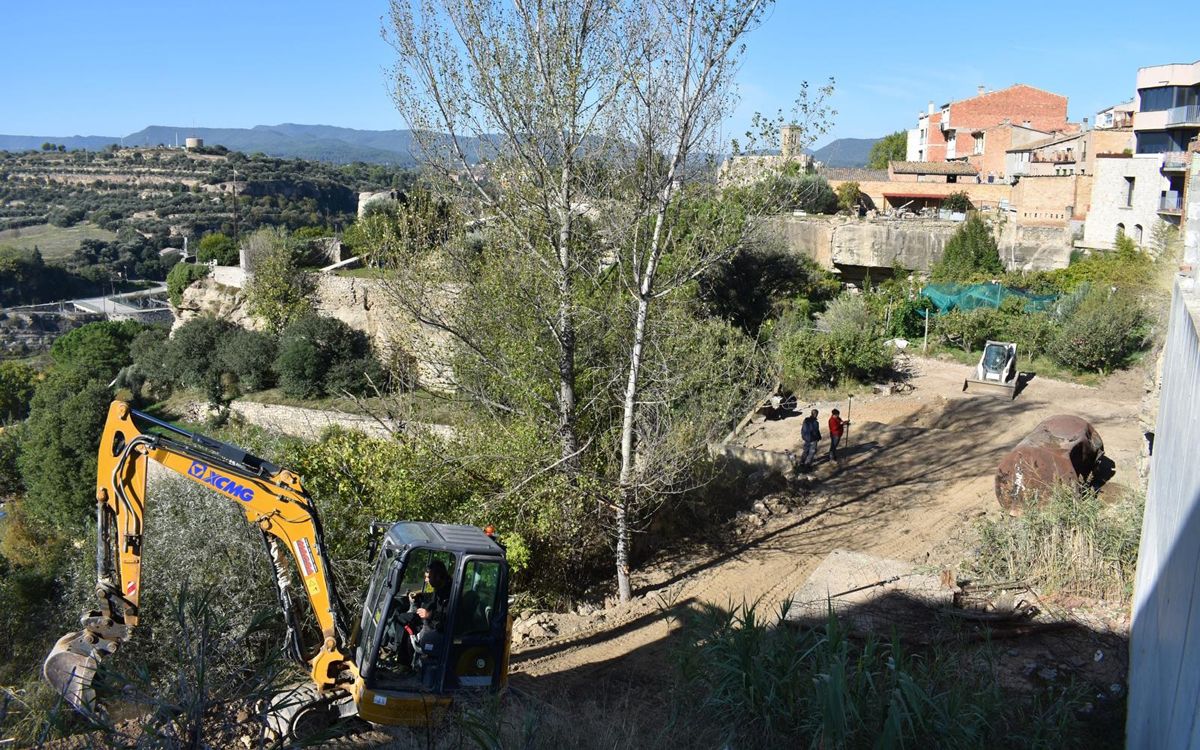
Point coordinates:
pixel 310 423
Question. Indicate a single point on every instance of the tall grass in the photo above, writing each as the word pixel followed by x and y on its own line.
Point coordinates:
pixel 783 687
pixel 1072 544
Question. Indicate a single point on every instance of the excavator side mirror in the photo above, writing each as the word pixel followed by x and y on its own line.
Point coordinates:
pixel 374 534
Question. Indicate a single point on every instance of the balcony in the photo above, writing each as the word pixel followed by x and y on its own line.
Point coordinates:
pixel 1175 161
pixel 1054 157
pixel 1171 203
pixel 1189 115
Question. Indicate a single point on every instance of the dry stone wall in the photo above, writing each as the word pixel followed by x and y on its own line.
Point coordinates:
pixel 363 304
pixel 309 424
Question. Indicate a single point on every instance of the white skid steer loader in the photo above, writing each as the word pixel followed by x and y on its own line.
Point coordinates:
pixel 997 368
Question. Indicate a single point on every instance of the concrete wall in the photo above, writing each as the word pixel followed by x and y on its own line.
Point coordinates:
pixel 1164 659
pixel 232 276
pixel 1109 205
pixel 915 245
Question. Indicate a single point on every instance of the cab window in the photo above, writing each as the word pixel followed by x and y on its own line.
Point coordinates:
pixel 477 604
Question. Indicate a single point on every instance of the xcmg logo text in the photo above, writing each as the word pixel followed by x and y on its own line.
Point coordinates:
pixel 220 482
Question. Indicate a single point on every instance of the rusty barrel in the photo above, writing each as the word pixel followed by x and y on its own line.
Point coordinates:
pixel 1062 449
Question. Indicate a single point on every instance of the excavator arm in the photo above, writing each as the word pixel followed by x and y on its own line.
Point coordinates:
pixel 272 499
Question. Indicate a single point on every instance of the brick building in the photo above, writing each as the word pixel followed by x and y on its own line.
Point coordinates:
pixel 1066 153
pixel 1012 116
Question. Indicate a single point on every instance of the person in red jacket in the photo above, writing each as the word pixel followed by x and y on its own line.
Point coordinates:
pixel 837 428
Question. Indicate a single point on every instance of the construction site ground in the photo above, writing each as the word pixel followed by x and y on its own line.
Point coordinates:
pixel 916 476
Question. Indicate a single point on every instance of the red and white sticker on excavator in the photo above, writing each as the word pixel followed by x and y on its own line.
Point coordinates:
pixel 304 554
pixel 130 588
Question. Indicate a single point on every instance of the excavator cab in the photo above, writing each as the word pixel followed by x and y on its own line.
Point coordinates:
pixel 410 665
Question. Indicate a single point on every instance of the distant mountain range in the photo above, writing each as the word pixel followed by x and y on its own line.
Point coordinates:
pixel 331 144
pixel 315 142
pixel 845 152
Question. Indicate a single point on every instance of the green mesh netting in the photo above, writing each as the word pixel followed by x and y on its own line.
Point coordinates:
pixel 967 297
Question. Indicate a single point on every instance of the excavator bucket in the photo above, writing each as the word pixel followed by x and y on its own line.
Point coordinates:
pixel 70 668
pixel 72 663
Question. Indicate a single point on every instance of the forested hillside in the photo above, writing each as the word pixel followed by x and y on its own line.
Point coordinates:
pixel 109 215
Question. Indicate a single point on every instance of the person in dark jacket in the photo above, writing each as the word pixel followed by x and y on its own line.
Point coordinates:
pixel 418 631
pixel 810 433
pixel 431 606
pixel 837 428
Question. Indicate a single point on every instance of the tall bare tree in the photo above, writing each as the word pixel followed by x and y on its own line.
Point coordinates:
pixel 680 97
pixel 574 127
pixel 504 98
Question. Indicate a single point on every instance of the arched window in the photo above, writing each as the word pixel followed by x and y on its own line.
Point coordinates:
pixel 1120 230
pixel 1137 233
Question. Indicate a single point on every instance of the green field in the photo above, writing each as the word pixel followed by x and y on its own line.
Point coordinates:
pixel 56 243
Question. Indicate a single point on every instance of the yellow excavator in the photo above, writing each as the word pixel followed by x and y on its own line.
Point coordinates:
pixel 392 668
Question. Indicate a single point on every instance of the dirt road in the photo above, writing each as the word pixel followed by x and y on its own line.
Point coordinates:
pixel 917 474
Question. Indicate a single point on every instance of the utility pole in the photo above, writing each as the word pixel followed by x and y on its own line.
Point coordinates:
pixel 236 235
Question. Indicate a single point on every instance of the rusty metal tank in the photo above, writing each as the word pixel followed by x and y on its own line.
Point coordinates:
pixel 1062 449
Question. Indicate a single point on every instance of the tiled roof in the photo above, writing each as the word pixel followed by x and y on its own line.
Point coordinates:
pixel 1060 138
pixel 933 167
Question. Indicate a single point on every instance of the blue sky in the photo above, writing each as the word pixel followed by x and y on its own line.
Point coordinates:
pixel 85 67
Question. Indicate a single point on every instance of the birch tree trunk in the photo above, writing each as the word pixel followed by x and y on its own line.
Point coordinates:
pixel 705 37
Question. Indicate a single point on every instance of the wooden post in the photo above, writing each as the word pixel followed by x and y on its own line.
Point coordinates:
pixel 925 346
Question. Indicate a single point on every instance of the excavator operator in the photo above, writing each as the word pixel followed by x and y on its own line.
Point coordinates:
pixel 419 630
pixel 431 606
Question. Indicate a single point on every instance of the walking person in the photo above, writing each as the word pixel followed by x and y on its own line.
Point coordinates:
pixel 837 428
pixel 810 433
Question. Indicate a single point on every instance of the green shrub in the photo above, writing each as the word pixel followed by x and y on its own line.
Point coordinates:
pixel 970 254
pixel 192 355
pixel 98 349
pixel 1033 333
pixel 845 345
pixel 10 471
pixel 219 247
pixel 849 194
pixel 958 202
pixel 249 357
pixel 768 686
pixel 788 192
pixel 969 330
pixel 58 449
pixel 150 352
pixel 1126 266
pixel 907 317
pixel 358 376
pixel 1102 333
pixel 180 277
pixel 17 383
pixel 311 348
pixel 277 293
pixel 758 281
